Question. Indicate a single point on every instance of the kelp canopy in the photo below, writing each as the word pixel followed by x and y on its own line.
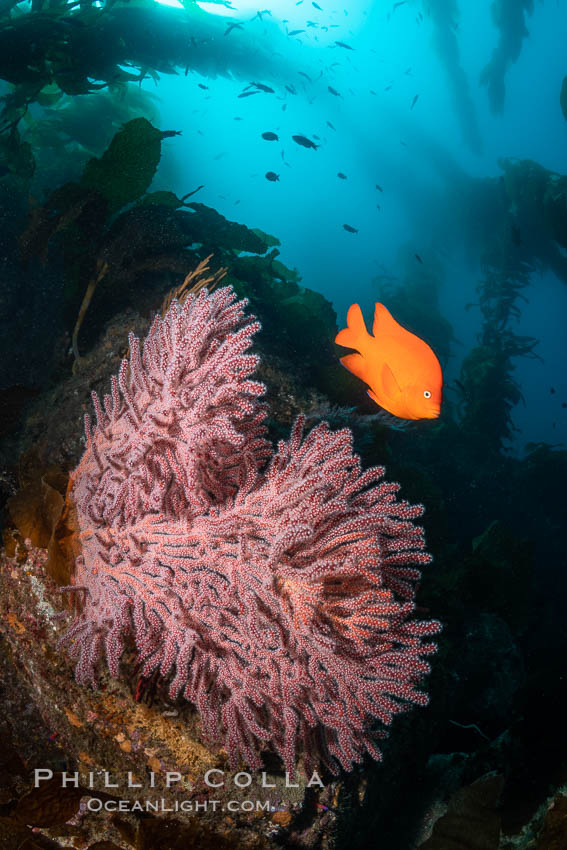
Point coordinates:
pixel 72 48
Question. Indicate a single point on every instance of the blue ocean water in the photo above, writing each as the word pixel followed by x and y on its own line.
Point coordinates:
pixel 391 94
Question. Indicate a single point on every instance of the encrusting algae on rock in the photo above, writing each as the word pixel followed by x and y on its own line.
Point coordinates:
pixel 116 749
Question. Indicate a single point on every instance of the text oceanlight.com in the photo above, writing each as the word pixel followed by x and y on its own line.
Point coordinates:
pixel 95 804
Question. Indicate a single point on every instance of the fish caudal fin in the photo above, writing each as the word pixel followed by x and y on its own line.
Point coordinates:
pixel 355 363
pixel 355 334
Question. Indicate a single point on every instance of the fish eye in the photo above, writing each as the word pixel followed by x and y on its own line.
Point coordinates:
pixel 427 394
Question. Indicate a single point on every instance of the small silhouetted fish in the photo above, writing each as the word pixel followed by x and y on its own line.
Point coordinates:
pixel 316 5
pixel 202 86
pixel 418 258
pixel 291 89
pixel 307 77
pixel 312 24
pixel 263 87
pixel 408 70
pixel 403 144
pixel 304 142
pixel 342 44
pixel 331 126
pixel 350 229
pixel 248 93
pixel 272 176
pixel 378 207
pixel 372 91
pixel 220 155
pixel 295 32
pixel 380 189
pixel 388 87
pixel 284 107
pixel 400 3
pixel 299 2
pixel 341 175
pixel 552 390
pixel 233 27
pixel 237 118
pixel 333 91
pixel 270 137
pixel 315 136
pixel 414 101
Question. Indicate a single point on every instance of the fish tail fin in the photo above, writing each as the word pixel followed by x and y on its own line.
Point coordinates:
pixel 355 333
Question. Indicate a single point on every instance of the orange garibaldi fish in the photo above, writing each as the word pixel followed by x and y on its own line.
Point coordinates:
pixel 402 371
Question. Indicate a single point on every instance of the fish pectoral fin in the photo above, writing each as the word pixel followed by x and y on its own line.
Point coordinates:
pixel 355 364
pixel 373 397
pixel 389 382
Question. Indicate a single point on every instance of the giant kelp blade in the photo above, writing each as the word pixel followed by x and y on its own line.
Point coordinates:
pixel 126 169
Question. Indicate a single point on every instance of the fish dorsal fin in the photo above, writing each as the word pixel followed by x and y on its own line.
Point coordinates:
pixel 355 334
pixel 389 382
pixel 384 322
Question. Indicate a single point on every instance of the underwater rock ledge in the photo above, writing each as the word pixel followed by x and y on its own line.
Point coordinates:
pixel 106 731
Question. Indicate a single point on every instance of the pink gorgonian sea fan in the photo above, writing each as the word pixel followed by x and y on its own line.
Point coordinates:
pixel 181 418
pixel 278 598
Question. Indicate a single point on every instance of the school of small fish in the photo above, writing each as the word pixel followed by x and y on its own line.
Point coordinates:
pixel 312 141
